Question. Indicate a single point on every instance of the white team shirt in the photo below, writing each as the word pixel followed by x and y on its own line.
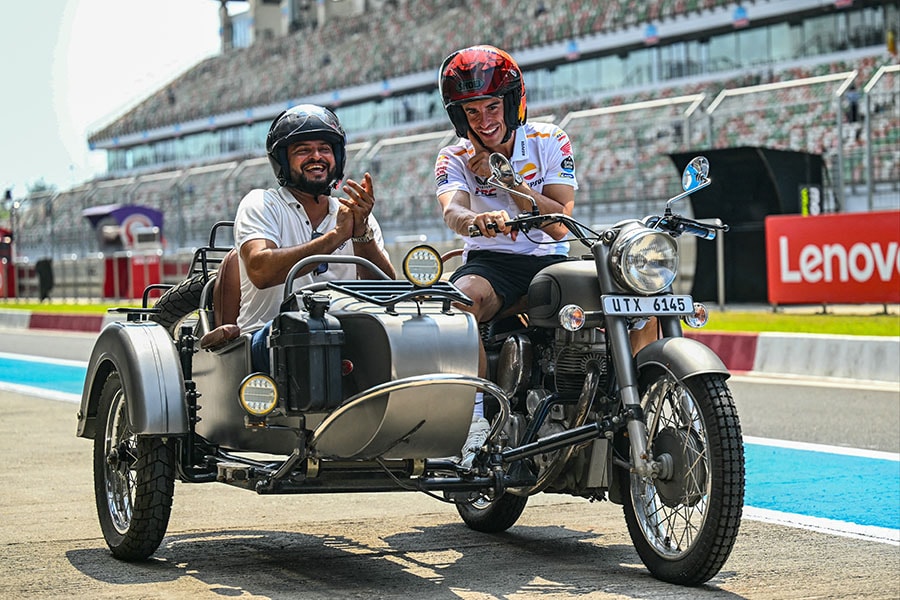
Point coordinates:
pixel 275 215
pixel 542 154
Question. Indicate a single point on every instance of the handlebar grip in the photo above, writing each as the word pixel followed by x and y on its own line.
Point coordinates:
pixel 701 231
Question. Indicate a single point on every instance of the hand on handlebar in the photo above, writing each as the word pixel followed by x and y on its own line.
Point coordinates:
pixel 492 224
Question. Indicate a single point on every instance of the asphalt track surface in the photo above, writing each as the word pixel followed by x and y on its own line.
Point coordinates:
pixel 226 542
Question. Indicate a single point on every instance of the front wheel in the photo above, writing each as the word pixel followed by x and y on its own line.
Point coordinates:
pixel 134 479
pixel 684 522
pixel 492 516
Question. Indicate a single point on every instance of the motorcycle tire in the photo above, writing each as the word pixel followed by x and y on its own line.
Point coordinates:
pixel 179 302
pixel 492 516
pixel 134 479
pixel 684 524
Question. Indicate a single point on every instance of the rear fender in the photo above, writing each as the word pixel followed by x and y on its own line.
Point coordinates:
pixel 147 362
pixel 682 357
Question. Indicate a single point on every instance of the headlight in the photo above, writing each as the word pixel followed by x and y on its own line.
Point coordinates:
pixel 258 395
pixel 644 260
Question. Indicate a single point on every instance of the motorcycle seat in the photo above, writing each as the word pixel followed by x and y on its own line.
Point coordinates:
pixel 226 303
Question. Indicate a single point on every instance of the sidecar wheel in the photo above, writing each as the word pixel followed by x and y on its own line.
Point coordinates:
pixel 134 479
pixel 684 523
pixel 492 516
pixel 179 302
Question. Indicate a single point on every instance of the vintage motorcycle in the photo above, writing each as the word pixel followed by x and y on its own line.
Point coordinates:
pixel 373 383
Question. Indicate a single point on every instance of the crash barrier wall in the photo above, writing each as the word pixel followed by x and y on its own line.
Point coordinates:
pixel 859 357
pixel 98 276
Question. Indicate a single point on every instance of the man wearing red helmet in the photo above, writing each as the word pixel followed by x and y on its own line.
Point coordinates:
pixel 484 95
pixel 277 227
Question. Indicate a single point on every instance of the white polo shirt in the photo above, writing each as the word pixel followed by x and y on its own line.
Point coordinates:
pixel 542 155
pixel 275 215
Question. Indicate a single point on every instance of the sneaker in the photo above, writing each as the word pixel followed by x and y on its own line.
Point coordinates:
pixel 478 433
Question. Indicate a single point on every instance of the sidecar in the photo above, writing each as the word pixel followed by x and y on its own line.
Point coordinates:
pixel 370 381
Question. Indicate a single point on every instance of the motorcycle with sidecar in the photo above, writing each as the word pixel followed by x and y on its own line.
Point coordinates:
pixel 373 383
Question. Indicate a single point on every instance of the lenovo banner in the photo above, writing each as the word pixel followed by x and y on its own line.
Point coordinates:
pixel 834 259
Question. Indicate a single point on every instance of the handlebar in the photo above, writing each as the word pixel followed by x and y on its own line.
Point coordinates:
pixel 527 221
pixel 701 231
pixel 678 225
pixel 674 224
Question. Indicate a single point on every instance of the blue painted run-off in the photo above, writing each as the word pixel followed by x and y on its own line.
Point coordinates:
pixel 68 379
pixel 864 491
pixel 855 489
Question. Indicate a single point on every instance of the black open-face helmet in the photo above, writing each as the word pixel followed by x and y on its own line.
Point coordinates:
pixel 480 72
pixel 305 122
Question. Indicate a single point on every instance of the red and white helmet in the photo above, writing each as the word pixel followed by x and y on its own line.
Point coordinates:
pixel 480 72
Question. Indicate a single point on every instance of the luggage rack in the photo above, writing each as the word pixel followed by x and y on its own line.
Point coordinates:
pixel 389 293
pixel 208 258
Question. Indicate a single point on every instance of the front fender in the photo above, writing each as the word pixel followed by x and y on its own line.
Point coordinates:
pixel 147 362
pixel 683 357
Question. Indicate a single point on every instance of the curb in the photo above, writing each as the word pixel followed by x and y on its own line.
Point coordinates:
pixel 863 358
pixel 26 319
pixel 859 357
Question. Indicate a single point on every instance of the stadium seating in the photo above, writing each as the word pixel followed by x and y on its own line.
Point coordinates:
pixel 414 37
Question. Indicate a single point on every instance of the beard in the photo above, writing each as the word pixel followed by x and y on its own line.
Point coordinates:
pixel 301 182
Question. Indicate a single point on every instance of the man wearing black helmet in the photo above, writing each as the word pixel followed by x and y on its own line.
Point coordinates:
pixel 277 227
pixel 484 95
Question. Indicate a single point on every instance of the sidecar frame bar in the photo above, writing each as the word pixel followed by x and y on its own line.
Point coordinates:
pixel 585 433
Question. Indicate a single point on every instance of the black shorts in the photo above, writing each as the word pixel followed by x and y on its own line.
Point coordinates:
pixel 508 274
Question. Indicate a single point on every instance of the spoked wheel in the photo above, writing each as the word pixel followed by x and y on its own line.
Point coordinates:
pixel 684 523
pixel 134 479
pixel 179 303
pixel 492 516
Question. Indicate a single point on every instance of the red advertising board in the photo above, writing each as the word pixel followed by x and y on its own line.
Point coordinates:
pixel 849 258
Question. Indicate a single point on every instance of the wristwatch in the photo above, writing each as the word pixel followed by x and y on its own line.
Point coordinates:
pixel 368 236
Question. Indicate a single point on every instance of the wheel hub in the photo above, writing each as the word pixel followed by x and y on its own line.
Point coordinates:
pixel 685 481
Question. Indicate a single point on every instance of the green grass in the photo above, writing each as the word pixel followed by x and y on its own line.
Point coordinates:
pixel 80 309
pixel 833 324
pixel 842 323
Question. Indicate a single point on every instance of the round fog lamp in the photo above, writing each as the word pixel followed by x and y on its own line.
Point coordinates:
pixel 571 317
pixel 258 395
pixel 422 266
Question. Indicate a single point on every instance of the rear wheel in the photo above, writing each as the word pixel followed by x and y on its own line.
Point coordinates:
pixel 492 516
pixel 134 479
pixel 684 523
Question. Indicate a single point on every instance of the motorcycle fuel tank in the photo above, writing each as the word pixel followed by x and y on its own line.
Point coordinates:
pixel 570 282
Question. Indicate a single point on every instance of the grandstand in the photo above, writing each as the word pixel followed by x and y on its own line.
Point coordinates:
pixel 631 82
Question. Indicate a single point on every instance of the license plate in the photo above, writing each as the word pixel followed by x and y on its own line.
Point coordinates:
pixel 647 305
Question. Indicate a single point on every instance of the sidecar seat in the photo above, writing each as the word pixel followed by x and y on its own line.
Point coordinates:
pixel 226 303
